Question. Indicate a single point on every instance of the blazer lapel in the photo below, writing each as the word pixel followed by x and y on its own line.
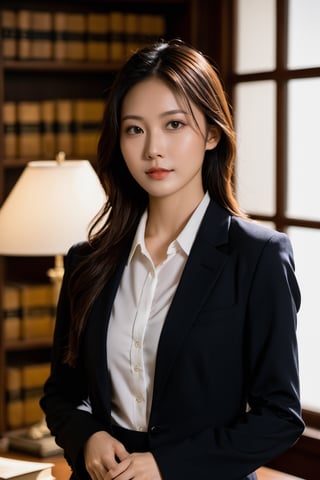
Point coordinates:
pixel 201 272
pixel 96 345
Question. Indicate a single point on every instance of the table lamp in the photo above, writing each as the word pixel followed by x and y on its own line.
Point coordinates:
pixel 49 209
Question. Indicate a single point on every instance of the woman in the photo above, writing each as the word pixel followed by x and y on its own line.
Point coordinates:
pixel 175 352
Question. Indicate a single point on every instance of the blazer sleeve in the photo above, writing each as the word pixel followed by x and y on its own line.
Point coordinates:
pixel 66 388
pixel 272 422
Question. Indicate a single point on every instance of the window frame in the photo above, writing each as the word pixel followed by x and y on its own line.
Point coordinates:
pixel 281 75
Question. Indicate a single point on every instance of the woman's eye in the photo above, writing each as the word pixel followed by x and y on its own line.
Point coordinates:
pixel 134 130
pixel 175 124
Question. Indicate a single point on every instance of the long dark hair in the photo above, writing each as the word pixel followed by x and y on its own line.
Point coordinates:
pixel 190 74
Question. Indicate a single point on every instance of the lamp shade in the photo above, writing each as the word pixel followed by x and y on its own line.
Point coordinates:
pixel 50 208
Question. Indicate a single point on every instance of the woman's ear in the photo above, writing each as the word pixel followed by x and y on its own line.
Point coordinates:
pixel 213 137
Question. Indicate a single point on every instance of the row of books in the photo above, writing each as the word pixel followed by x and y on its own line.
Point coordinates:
pixel 24 388
pixel 65 36
pixel 42 128
pixel 28 311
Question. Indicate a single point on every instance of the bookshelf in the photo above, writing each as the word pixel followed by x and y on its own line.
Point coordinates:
pixel 47 72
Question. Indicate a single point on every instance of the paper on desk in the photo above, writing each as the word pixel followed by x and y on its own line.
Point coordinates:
pixel 10 468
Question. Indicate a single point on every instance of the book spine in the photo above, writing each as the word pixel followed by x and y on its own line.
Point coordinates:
pixel 152 28
pixel 76 37
pixel 24 388
pixel 64 126
pixel 29 129
pixel 48 135
pixel 32 412
pixel 34 375
pixel 159 27
pixel 41 43
pixel 9 34
pixel 10 129
pixel 11 313
pixel 98 37
pixel 88 117
pixel 37 323
pixel 132 33
pixel 14 402
pixel 24 34
pixel 37 311
pixel 117 36
pixel 60 22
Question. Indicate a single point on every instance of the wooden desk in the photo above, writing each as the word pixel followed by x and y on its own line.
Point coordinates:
pixel 61 469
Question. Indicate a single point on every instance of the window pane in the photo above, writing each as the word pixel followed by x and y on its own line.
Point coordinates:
pixel 255 122
pixel 304 33
pixel 255 42
pixel 303 149
pixel 307 257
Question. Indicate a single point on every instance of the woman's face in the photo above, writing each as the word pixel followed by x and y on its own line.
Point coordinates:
pixel 162 142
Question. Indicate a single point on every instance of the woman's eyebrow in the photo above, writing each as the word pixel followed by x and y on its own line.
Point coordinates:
pixel 164 114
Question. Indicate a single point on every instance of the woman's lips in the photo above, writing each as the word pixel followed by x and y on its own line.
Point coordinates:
pixel 158 173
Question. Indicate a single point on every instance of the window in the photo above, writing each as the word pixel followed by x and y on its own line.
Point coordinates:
pixel 276 96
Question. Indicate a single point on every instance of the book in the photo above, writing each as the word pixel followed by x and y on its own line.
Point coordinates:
pixel 97 36
pixel 37 306
pixel 31 408
pixel 75 36
pixel 10 129
pixel 59 26
pixel 24 34
pixel 88 117
pixel 117 45
pixel 9 34
pixel 29 128
pixel 34 375
pixel 11 469
pixel 152 27
pixel 24 388
pixel 41 44
pixel 15 413
pixel 64 126
pixel 159 27
pixel 13 382
pixel 48 134
pixel 132 33
pixel 11 313
pixel 45 446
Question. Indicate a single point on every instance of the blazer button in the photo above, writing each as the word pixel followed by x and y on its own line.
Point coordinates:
pixel 154 429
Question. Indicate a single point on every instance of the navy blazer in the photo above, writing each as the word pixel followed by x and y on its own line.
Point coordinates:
pixel 226 388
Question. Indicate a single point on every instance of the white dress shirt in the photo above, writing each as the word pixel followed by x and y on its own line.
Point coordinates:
pixel 141 304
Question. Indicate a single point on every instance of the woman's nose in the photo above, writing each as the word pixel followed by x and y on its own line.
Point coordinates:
pixel 153 147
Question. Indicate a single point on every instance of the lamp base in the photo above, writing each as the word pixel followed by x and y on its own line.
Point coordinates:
pixel 56 274
pixel 40 429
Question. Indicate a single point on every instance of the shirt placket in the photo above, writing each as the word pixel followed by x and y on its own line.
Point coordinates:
pixel 136 358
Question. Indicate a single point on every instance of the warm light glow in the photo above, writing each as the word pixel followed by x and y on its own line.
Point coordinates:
pixel 50 208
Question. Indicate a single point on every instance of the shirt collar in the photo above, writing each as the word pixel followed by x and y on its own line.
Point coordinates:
pixel 186 237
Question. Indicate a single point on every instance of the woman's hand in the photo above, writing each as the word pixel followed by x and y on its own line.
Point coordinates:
pixel 102 453
pixel 135 466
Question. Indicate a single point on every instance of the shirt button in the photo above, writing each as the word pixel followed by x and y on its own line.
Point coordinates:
pixel 139 399
pixel 137 368
pixel 137 344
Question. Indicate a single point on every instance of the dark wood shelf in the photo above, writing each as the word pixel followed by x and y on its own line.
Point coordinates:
pixel 54 66
pixel 20 345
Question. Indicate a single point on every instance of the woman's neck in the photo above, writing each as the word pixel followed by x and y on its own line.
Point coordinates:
pixel 166 219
